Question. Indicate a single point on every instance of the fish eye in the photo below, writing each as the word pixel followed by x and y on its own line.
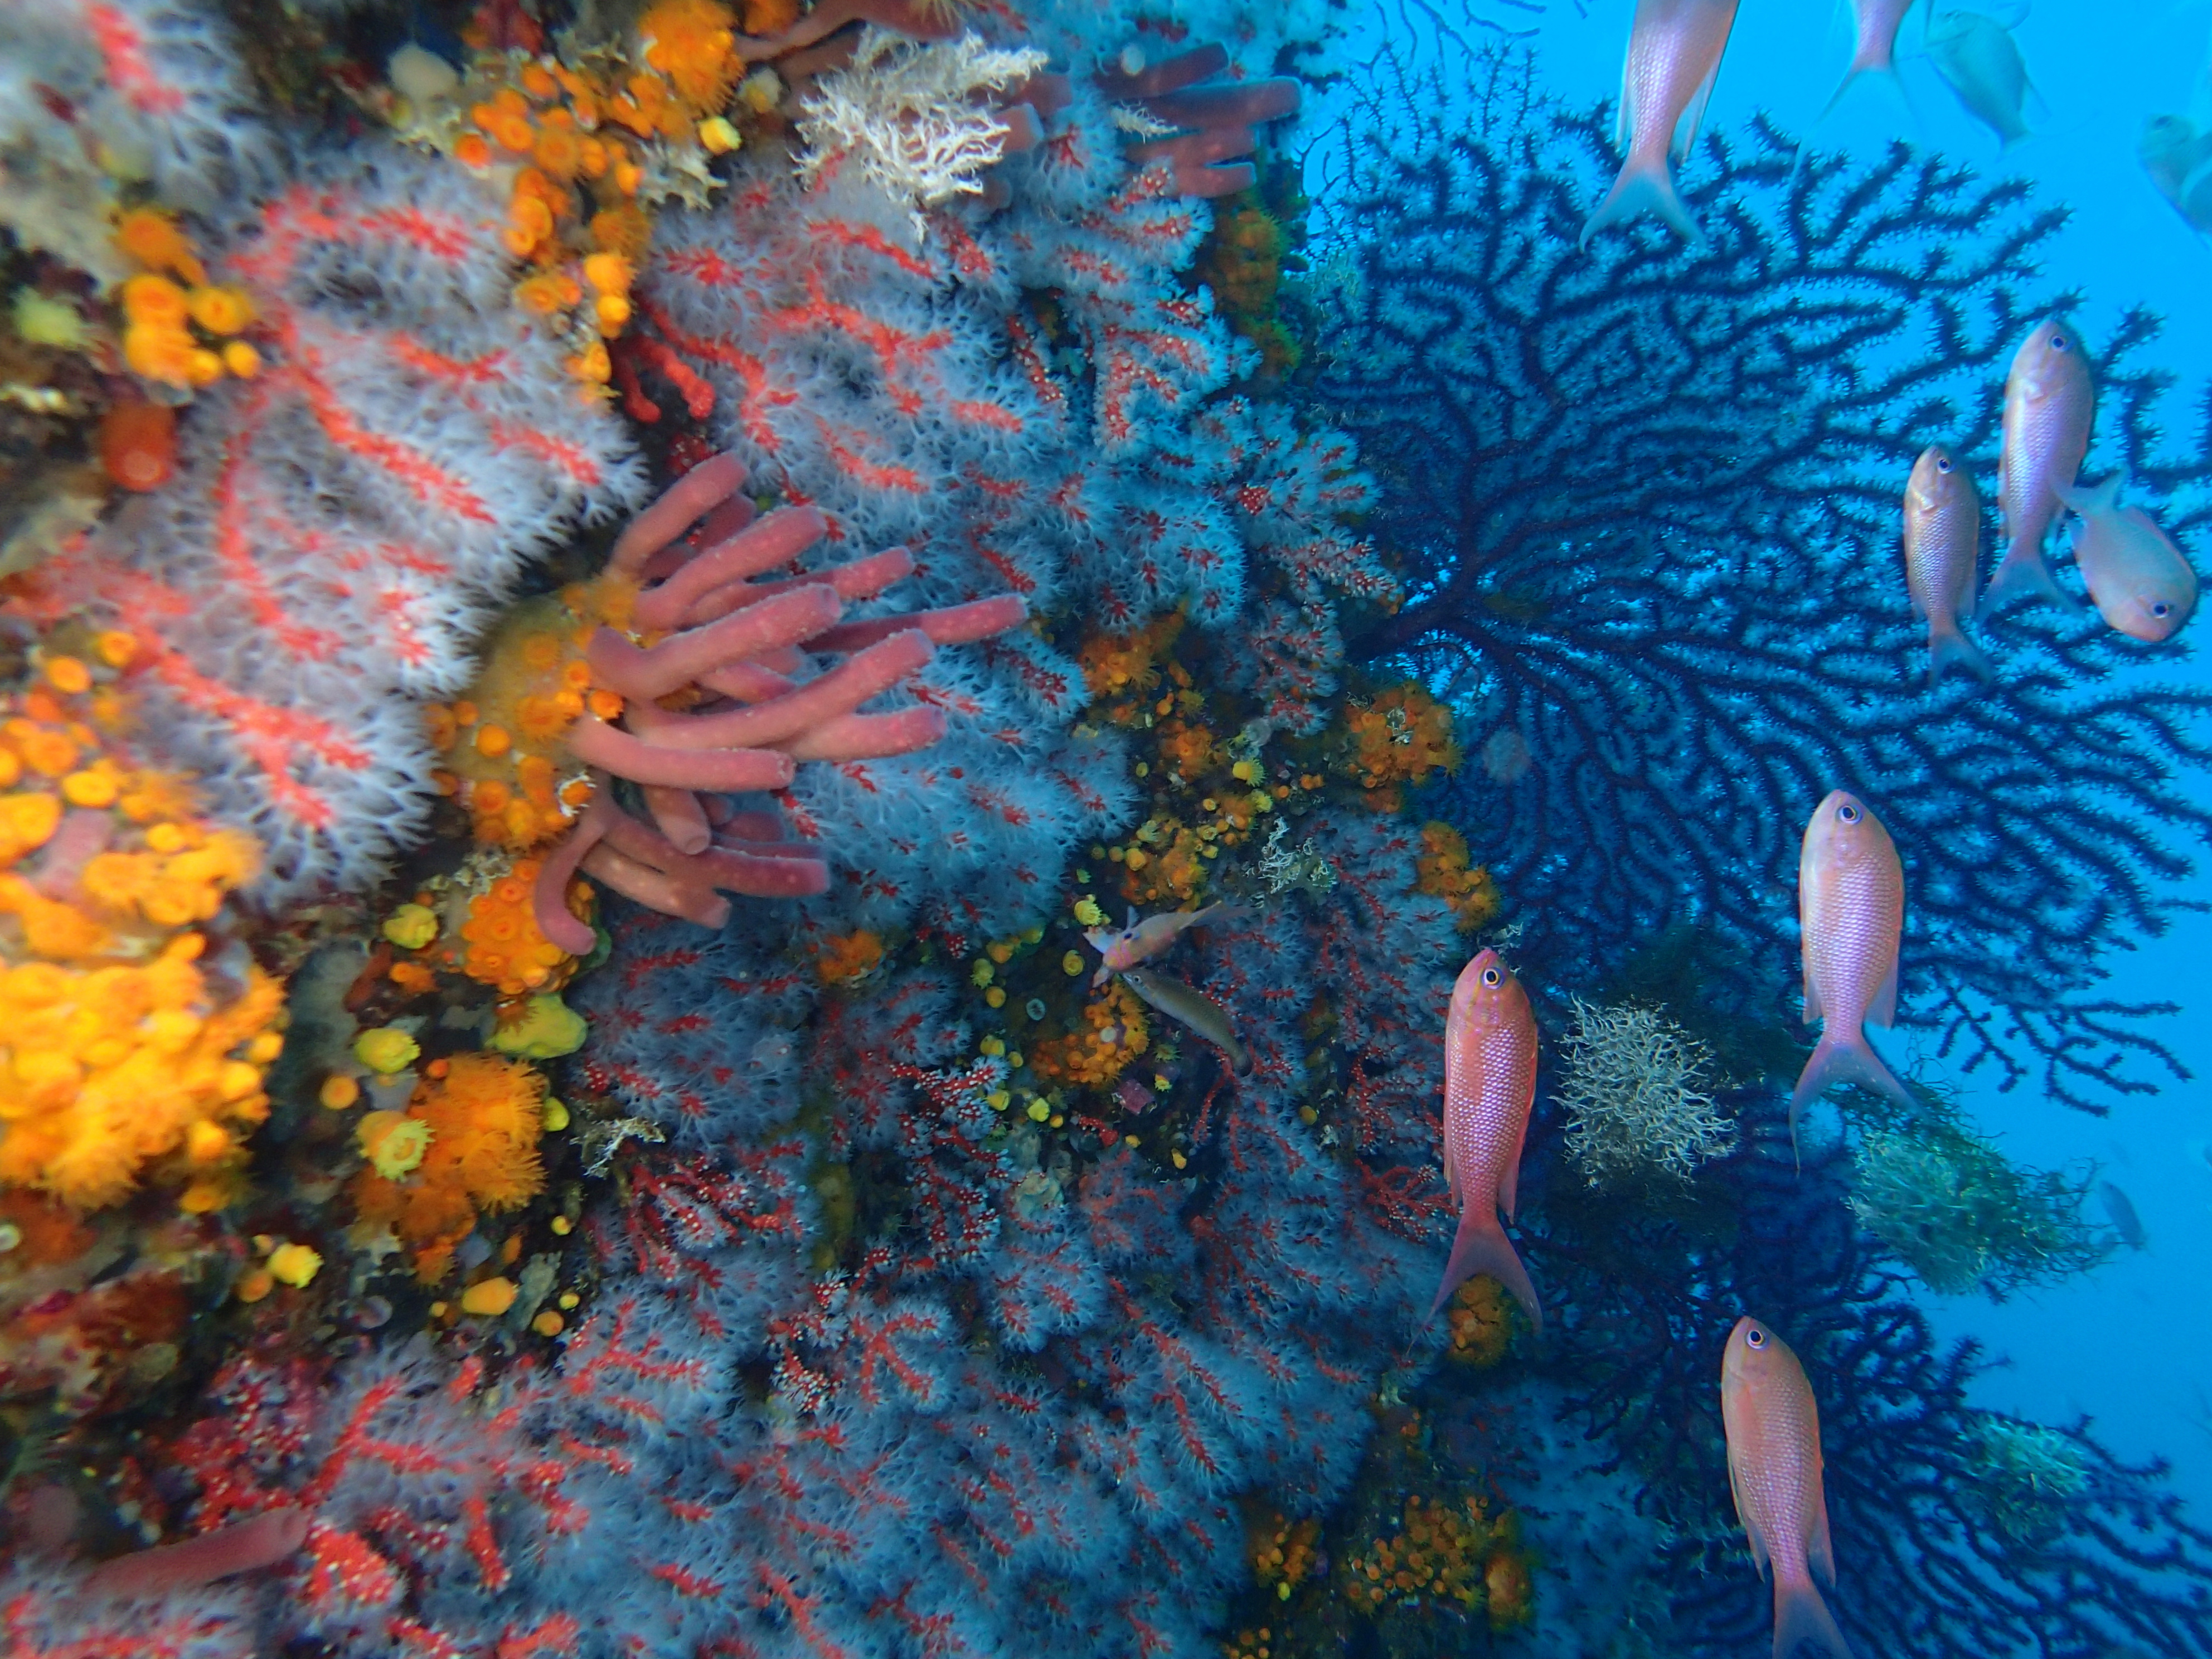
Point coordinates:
pixel 1755 1337
pixel 2160 609
pixel 2058 343
pixel 1848 813
pixel 1943 463
pixel 1491 977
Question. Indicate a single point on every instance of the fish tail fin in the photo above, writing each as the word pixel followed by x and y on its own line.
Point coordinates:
pixel 1881 72
pixel 1845 1057
pixel 1803 1621
pixel 2024 574
pixel 1949 648
pixel 1646 184
pixel 1480 1246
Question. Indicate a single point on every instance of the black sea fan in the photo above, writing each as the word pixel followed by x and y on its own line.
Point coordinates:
pixel 1646 500
pixel 1960 1534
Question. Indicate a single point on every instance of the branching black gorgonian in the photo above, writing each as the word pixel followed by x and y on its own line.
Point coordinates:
pixel 1959 1533
pixel 1646 500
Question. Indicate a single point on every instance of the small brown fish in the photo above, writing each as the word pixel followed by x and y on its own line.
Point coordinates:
pixel 1851 911
pixel 1190 1008
pixel 1773 1427
pixel 1942 545
pixel 1140 941
pixel 2049 404
pixel 2141 584
pixel 1674 49
pixel 1490 1083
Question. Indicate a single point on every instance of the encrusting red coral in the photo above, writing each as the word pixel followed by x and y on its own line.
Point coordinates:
pixel 690 687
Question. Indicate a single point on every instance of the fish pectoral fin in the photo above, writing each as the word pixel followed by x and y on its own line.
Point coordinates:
pixel 1693 113
pixel 1882 1011
pixel 1509 1183
pixel 1820 1551
pixel 1624 123
pixel 1751 1533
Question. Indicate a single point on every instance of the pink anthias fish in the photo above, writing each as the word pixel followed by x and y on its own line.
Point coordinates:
pixel 1490 1083
pixel 2048 406
pixel 1942 545
pixel 1851 909
pixel 1675 50
pixel 1774 1426
pixel 2142 583
pixel 1140 941
pixel 1876 55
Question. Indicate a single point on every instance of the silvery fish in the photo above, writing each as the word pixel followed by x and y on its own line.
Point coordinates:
pixel 1773 1427
pixel 1850 910
pixel 1675 50
pixel 2048 406
pixel 1190 1008
pixel 1490 1083
pixel 2179 159
pixel 2120 1210
pixel 1981 61
pixel 1942 543
pixel 2141 582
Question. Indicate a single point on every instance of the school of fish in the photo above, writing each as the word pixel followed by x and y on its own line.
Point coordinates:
pixel 1850 888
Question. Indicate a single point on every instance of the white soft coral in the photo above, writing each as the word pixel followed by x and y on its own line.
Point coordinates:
pixel 923 121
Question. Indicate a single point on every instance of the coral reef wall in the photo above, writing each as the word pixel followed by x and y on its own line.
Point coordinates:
pixel 905 1257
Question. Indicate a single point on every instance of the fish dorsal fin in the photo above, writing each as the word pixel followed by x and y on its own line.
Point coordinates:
pixel 1882 1011
pixel 1820 1549
pixel 2081 500
pixel 1693 113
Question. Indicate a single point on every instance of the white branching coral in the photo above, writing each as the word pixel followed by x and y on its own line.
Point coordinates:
pixel 921 121
pixel 1635 1095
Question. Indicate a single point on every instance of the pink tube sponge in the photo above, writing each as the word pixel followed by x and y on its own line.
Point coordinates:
pixel 707 676
pixel 1217 118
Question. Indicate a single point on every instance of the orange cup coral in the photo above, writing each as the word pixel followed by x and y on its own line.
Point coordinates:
pixel 466 1144
pixel 121 1049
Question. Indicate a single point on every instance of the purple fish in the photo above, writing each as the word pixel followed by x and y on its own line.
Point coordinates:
pixel 1942 543
pixel 1876 56
pixel 1490 1083
pixel 2048 406
pixel 1675 50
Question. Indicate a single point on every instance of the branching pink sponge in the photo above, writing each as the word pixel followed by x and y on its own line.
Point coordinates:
pixel 342 525
pixel 720 628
